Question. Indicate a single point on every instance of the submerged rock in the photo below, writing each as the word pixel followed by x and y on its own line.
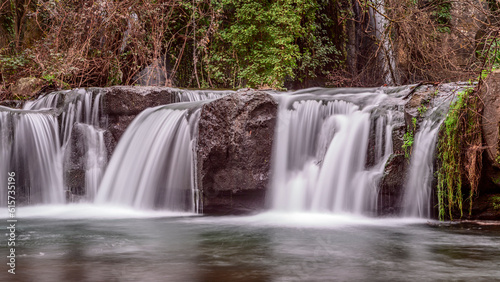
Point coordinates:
pixel 234 151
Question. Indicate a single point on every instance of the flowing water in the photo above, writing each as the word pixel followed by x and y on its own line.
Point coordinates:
pixel 142 218
pixel 320 152
pixel 75 243
pixel 155 160
pixel 417 200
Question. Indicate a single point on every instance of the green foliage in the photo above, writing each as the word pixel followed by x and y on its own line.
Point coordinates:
pixel 11 63
pixel 459 154
pixel 495 202
pixel 422 109
pixel 408 138
pixel 490 54
pixel 258 42
pixel 407 143
pixel 442 15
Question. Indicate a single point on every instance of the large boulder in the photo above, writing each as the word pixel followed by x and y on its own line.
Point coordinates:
pixel 121 104
pixel 234 151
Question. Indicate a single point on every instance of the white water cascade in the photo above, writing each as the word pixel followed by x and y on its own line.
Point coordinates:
pixel 37 147
pixel 83 140
pixel 153 166
pixel 193 96
pixel 30 147
pixel 320 152
pixel 417 199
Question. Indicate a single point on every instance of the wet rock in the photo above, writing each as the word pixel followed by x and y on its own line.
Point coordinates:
pixel 117 124
pixel 15 104
pixel 121 104
pixel 389 200
pixel 234 151
pixel 27 87
pixel 130 100
pixel 74 165
pixel 491 115
pixel 486 207
pixel 490 94
pixel 418 105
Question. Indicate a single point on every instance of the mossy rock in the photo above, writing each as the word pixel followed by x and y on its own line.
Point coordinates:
pixel 27 87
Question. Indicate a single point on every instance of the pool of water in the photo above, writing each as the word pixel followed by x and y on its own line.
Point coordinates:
pixel 87 243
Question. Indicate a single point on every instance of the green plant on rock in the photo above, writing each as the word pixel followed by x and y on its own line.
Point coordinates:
pixel 408 138
pixel 407 143
pixel 459 154
pixel 495 202
pixel 422 109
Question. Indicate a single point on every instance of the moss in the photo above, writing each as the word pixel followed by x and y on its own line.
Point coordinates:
pixel 459 155
pixel 495 202
pixel 408 138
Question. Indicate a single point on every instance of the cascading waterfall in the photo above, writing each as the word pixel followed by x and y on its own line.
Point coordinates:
pixel 36 147
pixel 417 200
pixel 83 136
pixel 319 161
pixel 153 164
pixel 193 96
pixel 329 153
pixel 30 147
pixel 5 142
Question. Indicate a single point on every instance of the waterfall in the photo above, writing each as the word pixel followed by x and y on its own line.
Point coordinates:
pixel 330 151
pixel 42 148
pixel 320 152
pixel 5 141
pixel 29 146
pixel 153 164
pixel 417 199
pixel 193 96
pixel 83 142
pixel 385 53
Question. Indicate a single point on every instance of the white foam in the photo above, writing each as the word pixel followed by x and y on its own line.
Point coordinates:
pixel 90 211
pixel 307 220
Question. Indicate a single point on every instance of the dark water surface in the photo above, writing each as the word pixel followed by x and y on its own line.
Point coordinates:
pixel 70 245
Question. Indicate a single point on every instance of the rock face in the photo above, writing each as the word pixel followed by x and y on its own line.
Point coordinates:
pixel 389 200
pixel 490 93
pixel 123 103
pixel 234 151
pixel 15 104
pixel 491 114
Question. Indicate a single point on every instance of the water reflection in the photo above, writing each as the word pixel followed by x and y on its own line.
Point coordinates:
pixel 232 255
pixel 213 249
